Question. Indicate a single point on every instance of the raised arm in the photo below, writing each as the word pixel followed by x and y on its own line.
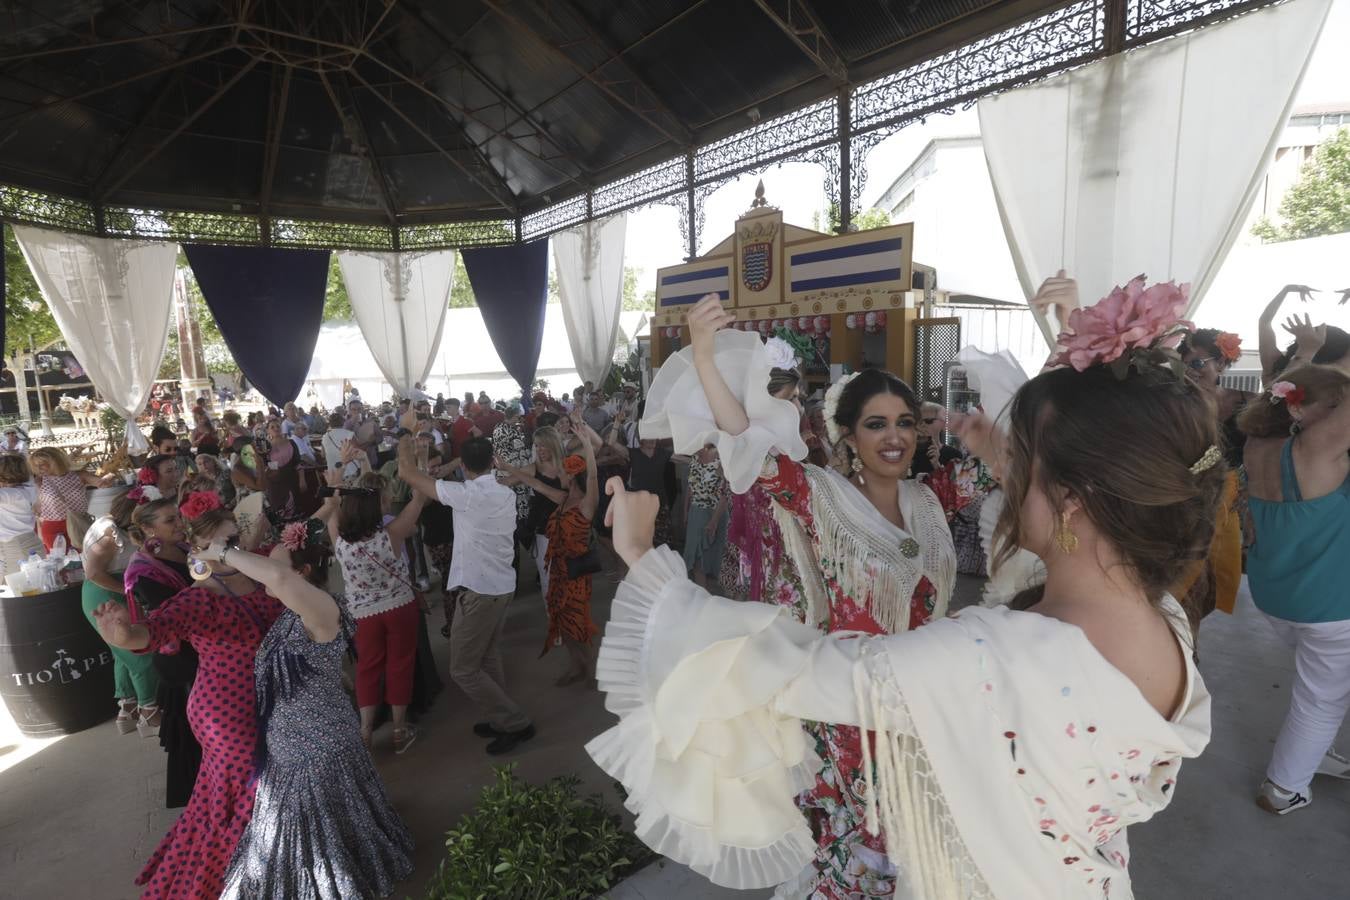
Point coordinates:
pixel 592 498
pixel 404 525
pixel 421 483
pixel 1058 294
pixel 316 608
pixel 1268 341
pixel 705 320
pixel 616 443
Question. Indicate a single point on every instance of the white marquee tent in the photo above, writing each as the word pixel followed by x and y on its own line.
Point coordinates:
pixel 466 360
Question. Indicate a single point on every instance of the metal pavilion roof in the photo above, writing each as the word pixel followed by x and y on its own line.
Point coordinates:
pixel 408 123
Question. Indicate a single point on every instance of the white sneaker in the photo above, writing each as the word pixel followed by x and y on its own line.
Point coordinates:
pixel 1279 801
pixel 1335 765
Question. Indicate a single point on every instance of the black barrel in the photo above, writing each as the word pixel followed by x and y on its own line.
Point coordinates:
pixel 56 674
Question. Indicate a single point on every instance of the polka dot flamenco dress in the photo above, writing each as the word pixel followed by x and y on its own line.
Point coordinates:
pixel 191 861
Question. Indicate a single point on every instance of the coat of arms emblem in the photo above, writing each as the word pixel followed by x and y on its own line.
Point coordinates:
pixel 756 265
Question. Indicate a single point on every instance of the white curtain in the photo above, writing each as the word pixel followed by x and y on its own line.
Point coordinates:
pixel 400 301
pixel 1149 160
pixel 589 263
pixel 112 300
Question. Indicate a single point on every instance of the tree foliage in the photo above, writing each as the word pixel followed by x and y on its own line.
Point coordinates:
pixel 1319 202
pixel 644 301
pixel 875 217
pixel 337 306
pixel 27 316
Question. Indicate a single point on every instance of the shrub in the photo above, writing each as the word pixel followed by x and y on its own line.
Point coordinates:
pixel 527 841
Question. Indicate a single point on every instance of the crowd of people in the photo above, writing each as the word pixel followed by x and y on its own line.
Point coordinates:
pixel 256 556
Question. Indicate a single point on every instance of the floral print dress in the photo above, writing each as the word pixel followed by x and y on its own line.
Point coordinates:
pixel 850 862
pixel 508 442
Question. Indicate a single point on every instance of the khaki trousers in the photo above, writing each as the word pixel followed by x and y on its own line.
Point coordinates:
pixel 475 659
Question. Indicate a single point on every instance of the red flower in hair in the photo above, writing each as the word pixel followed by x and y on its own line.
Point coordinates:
pixel 147 475
pixel 199 502
pixel 1230 346
pixel 294 535
pixel 574 465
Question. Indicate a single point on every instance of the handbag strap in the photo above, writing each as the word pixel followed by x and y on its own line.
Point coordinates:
pixel 360 548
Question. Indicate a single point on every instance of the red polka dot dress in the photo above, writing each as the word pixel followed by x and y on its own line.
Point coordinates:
pixel 192 859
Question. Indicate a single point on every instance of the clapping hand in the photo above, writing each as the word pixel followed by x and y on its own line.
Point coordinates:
pixel 632 516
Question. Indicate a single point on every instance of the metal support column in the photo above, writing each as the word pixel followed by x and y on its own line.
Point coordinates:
pixel 845 160
pixel 689 199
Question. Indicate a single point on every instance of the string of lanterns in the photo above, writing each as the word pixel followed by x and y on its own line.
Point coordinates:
pixel 871 322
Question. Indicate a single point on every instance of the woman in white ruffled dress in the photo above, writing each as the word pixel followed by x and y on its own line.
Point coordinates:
pixel 1011 747
pixel 868 553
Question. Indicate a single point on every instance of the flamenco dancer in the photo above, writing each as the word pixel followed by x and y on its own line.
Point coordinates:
pixel 225 616
pixel 868 551
pixel 1013 746
pixel 322 825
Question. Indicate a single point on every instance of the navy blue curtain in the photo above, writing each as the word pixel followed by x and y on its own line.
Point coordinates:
pixel 269 306
pixel 511 286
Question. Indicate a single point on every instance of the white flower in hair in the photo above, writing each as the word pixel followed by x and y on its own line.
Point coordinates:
pixel 782 355
pixel 832 405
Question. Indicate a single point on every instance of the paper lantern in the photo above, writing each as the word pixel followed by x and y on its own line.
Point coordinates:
pixel 763 326
pixel 870 320
pixel 881 318
pixel 822 324
pixel 804 323
pixel 851 321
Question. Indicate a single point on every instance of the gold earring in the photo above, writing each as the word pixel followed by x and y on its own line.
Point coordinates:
pixel 1065 539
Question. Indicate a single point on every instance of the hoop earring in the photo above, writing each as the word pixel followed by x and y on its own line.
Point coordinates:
pixel 1065 539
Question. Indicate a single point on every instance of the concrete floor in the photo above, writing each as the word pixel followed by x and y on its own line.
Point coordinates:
pixel 79 815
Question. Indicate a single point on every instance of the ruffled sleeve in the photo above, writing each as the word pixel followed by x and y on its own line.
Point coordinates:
pixel 709 743
pixel 677 409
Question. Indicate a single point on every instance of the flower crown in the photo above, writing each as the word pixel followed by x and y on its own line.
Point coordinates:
pixel 1133 327
pixel 574 465
pixel 198 503
pixel 832 406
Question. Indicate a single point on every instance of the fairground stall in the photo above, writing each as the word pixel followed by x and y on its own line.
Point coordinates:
pixel 858 299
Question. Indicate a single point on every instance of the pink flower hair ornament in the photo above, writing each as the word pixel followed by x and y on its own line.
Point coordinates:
pixel 1292 395
pixel 293 536
pixel 1132 327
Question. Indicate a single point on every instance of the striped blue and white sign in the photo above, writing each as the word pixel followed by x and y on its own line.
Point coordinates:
pixel 679 286
pixel 866 262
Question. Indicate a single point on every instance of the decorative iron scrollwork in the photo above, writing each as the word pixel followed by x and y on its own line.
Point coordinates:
pixel 185 227
pixel 1023 53
pixel 553 218
pixel 454 235
pixel 781 137
pixel 653 184
pixel 336 235
pixel 1152 17
pixel 34 207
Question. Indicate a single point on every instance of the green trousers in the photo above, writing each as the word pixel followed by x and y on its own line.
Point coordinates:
pixel 134 674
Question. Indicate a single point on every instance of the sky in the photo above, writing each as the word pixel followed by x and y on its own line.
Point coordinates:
pixel 653 238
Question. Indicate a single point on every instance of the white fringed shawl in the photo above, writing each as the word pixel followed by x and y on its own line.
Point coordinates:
pixel 862 552
pixel 1010 754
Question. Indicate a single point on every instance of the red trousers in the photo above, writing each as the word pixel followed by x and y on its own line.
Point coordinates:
pixel 386 649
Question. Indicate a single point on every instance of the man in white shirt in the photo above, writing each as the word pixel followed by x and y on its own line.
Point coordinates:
pixel 300 438
pixel 485 547
pixel 333 440
pixel 290 419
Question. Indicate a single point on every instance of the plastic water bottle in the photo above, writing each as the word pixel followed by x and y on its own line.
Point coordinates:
pixel 59 547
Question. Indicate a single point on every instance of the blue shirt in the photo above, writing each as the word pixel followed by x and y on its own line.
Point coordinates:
pixel 1296 569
